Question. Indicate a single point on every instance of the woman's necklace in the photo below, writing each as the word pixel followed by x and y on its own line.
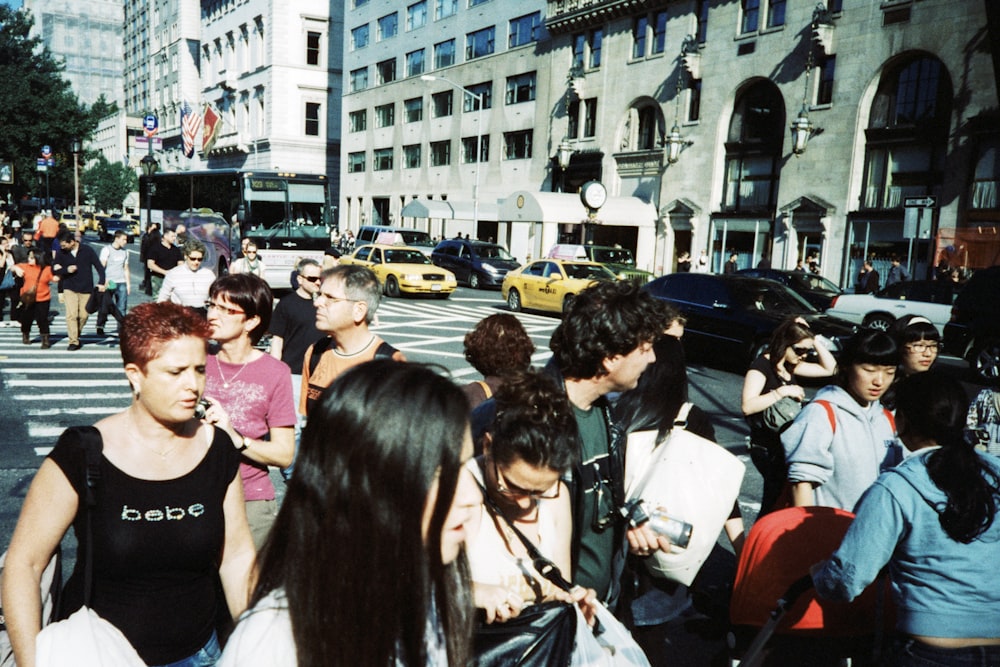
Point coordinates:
pixel 135 433
pixel 225 382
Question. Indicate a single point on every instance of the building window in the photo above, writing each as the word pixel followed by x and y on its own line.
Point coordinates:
pixel 440 153
pixel 444 8
pixel 469 154
pixel 524 29
pixel 441 104
pixel 355 162
pixel 573 119
pixel 659 32
pixel 473 3
pixel 579 51
pixel 702 28
pixel 694 100
pixel 358 120
pixel 824 91
pixel 415 63
pixel 750 16
pixel 520 88
pixel 517 145
pixel 590 117
pixel 388 26
pixel 312 48
pixel 916 94
pixel 986 179
pixel 359 79
pixel 775 13
pixel 753 150
pixel 385 115
pixel 483 90
pixel 648 125
pixel 413 109
pixel 382 159
pixel 479 43
pixel 359 37
pixel 416 15
pixel 444 54
pixel 360 3
pixel 639 29
pixel 835 6
pixel 411 156
pixel 386 71
pixel 312 119
pixel 596 37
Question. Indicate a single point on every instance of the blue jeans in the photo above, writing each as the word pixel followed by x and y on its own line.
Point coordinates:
pixel 206 656
pixel 116 298
pixel 912 653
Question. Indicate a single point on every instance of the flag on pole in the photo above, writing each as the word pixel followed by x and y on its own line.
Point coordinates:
pixel 190 124
pixel 212 121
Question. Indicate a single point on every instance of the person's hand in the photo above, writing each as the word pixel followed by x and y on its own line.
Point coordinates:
pixel 217 416
pixel 801 320
pixel 791 391
pixel 499 603
pixel 71 269
pixel 102 288
pixel 643 540
pixel 584 598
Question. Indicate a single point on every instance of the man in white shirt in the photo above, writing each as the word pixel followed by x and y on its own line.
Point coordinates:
pixel 188 283
pixel 115 260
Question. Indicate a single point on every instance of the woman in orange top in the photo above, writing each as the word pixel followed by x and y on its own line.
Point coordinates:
pixel 37 275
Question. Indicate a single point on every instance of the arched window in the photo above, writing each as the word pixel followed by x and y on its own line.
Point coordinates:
pixel 753 148
pixel 643 128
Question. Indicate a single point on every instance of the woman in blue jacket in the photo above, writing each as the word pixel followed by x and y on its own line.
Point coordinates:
pixel 932 519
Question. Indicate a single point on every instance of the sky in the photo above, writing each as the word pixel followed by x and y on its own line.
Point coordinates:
pixel 11 3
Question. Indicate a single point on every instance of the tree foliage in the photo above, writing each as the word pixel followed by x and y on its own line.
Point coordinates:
pixel 107 184
pixel 37 108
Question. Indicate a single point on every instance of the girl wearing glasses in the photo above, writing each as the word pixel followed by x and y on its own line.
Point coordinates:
pixel 793 353
pixel 919 343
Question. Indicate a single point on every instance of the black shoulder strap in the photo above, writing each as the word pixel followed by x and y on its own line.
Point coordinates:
pixel 93 444
pixel 385 351
pixel 319 347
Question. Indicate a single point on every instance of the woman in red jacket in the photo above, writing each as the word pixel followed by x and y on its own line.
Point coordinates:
pixel 35 295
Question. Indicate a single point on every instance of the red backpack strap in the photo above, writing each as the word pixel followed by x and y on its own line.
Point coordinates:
pixel 829 414
pixel 891 418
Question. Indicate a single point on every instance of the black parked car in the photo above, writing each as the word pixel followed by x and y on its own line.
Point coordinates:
pixel 107 227
pixel 815 289
pixel 734 316
pixel 476 263
pixel 973 332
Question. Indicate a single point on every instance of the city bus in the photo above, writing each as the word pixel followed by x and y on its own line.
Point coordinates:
pixel 287 215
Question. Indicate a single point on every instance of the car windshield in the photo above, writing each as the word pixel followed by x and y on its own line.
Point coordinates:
pixel 814 283
pixel 405 257
pixel 492 252
pixel 416 238
pixel 587 272
pixel 771 297
pixel 612 256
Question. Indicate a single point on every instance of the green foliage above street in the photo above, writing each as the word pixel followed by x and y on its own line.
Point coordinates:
pixel 106 184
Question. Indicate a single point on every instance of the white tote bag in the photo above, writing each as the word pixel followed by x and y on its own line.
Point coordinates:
pixel 692 479
pixel 84 640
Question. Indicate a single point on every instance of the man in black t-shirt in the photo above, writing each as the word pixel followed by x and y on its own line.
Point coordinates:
pixel 162 257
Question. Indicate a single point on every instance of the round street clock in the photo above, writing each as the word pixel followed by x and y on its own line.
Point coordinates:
pixel 593 194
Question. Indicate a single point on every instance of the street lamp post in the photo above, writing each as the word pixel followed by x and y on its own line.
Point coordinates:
pixel 149 166
pixel 75 148
pixel 480 99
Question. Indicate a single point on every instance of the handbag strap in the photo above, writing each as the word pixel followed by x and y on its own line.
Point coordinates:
pixel 90 440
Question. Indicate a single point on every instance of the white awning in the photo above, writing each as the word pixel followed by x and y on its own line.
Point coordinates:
pixel 452 209
pixel 561 207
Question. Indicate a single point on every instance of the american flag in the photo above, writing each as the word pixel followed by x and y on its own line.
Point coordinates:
pixel 190 124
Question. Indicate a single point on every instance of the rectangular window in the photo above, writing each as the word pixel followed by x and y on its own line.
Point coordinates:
pixel 444 8
pixel 415 63
pixel 312 119
pixel 590 117
pixel 986 179
pixel 484 90
pixel 358 120
pixel 386 71
pixel 385 115
pixel 517 145
pixel 413 109
pixel 835 6
pixel 469 155
pixel 520 88
pixel 596 37
pixel 579 51
pixel 573 119
pixel 312 48
pixel 411 156
pixel 473 3
pixel 441 104
pixel 524 29
pixel 639 29
pixel 444 54
pixel 751 16
pixel 659 32
pixel 702 21
pixel 388 26
pixel 775 13
pixel 416 15
pixel 479 43
pixel 382 159
pixel 355 162
pixel 694 100
pixel 359 79
pixel 359 37
pixel 824 91
pixel 360 3
pixel 440 153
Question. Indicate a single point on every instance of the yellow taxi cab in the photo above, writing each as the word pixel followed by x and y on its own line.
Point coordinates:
pixel 68 219
pixel 402 269
pixel 549 284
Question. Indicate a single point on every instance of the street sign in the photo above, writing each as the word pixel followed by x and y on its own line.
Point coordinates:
pixel 51 162
pixel 928 201
pixel 41 162
pixel 143 143
pixel 150 125
pixel 46 151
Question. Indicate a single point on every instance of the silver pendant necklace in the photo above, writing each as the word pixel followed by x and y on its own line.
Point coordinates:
pixel 225 382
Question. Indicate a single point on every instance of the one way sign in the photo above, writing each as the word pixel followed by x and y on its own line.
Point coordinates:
pixel 927 201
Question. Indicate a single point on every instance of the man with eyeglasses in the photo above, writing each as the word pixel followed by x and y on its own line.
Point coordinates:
pixel 161 258
pixel 75 264
pixel 188 283
pixel 345 304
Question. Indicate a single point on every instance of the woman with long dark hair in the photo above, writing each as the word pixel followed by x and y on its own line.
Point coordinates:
pixel 364 565
pixel 933 520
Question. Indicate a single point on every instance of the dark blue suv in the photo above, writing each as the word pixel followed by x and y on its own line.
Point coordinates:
pixel 476 263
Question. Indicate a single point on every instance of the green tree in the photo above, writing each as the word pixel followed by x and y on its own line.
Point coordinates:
pixel 37 108
pixel 106 184
pixel 102 108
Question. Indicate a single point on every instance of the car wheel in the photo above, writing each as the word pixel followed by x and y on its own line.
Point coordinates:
pixel 473 280
pixel 986 360
pixel 878 321
pixel 514 301
pixel 392 286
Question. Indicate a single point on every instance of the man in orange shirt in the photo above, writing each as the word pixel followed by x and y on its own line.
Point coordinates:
pixel 48 229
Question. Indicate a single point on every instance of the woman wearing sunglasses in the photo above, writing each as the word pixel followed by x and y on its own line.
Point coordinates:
pixel 793 353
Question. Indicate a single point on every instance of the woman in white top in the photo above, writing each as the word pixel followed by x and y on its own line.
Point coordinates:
pixel 250 262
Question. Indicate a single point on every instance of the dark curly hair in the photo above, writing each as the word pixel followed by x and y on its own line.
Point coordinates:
pixel 534 423
pixel 604 321
pixel 498 345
